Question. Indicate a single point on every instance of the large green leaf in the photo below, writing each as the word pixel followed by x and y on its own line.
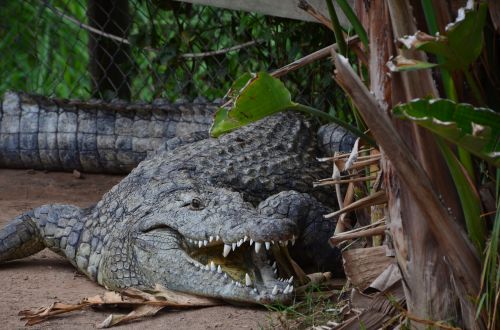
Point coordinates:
pixel 474 129
pixel 262 95
pixel 255 96
pixel 461 43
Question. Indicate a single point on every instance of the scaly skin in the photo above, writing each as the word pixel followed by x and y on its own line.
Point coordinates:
pixel 55 134
pixel 248 186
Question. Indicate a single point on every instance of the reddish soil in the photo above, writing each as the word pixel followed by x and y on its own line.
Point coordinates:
pixel 46 277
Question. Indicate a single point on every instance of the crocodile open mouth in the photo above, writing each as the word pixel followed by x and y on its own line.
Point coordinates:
pixel 264 267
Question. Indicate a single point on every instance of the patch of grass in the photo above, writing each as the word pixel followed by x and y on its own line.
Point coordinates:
pixel 314 306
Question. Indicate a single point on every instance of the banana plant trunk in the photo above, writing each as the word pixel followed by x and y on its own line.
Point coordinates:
pixel 435 287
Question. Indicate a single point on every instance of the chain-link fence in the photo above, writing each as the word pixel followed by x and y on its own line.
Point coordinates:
pixel 147 49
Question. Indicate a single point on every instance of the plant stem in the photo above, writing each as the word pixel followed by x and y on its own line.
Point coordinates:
pixel 337 29
pixel 469 198
pixel 474 87
pixel 330 118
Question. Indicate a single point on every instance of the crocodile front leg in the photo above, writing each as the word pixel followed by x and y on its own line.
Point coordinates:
pixel 57 227
pixel 312 250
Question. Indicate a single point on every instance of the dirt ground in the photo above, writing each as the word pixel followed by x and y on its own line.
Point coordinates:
pixel 45 277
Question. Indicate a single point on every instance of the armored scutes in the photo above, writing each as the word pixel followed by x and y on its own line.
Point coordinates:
pixel 102 137
pixel 212 217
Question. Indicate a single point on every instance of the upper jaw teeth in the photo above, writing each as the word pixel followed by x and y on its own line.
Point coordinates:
pixel 233 245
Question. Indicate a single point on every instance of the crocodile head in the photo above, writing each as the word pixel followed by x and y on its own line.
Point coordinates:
pixel 209 241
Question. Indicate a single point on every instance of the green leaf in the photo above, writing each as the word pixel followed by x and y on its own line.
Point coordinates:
pixel 400 63
pixel 353 19
pixel 469 197
pixel 262 96
pixel 238 85
pixel 474 129
pixel 462 42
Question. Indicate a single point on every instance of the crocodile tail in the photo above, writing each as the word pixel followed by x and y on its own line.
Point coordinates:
pixel 104 137
pixel 20 238
pixel 333 137
pixel 52 226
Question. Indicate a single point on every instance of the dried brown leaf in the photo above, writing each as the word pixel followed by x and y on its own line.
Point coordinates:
pixel 144 303
pixel 140 312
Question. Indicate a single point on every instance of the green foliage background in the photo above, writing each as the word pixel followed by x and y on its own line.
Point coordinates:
pixel 44 53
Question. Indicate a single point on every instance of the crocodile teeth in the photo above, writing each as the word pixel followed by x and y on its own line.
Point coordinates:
pixel 207 267
pixel 268 245
pixel 274 265
pixel 205 242
pixel 225 276
pixel 275 290
pixel 275 272
pixel 217 238
pixel 290 280
pixel 210 239
pixel 257 247
pixel 200 244
pixel 219 269
pixel 248 280
pixel 239 242
pixel 251 242
pixel 245 238
pixel 285 243
pixel 227 249
pixel 234 246
pixel 293 242
pixel 286 289
pixel 212 266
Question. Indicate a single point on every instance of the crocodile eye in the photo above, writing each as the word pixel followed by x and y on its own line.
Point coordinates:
pixel 196 204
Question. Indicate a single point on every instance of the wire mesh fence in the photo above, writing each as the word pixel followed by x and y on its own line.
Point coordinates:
pixel 147 49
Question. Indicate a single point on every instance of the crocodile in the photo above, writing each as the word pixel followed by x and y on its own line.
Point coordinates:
pixel 38 132
pixel 211 217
